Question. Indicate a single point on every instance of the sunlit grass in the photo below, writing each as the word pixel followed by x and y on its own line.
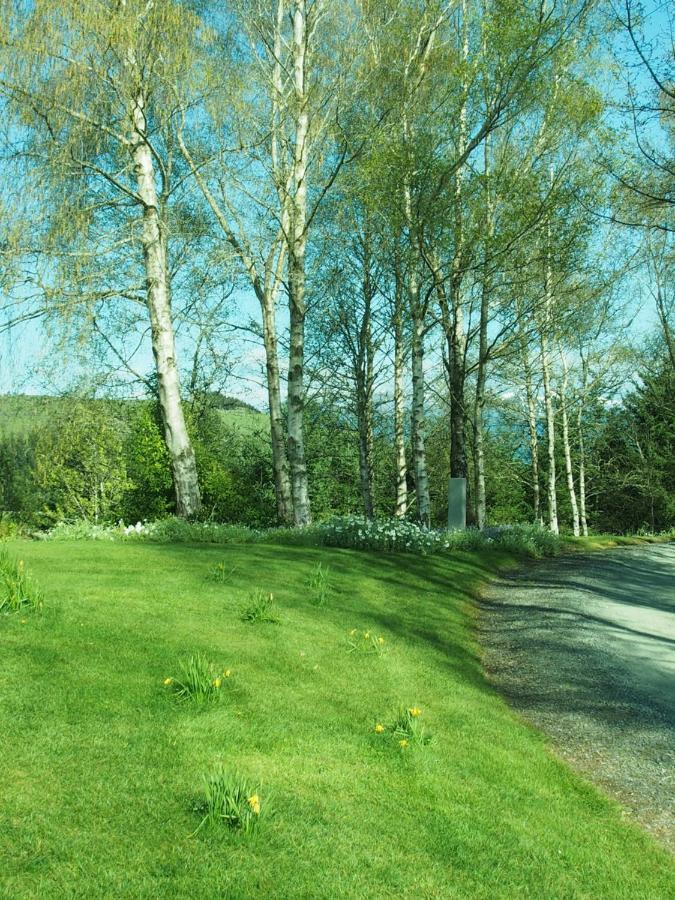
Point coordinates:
pixel 101 767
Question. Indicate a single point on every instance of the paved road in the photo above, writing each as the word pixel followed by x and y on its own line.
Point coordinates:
pixel 584 647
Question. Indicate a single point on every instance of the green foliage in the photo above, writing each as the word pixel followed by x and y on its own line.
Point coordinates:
pixel 261 609
pixel 199 681
pixel 19 492
pixel 230 800
pixel 80 465
pixel 149 494
pixel 9 528
pixel 222 572
pixel 18 592
pixel 235 468
pixel 634 459
pixel 177 531
pixel 319 584
pixel 349 532
pixel 406 729
pixel 366 642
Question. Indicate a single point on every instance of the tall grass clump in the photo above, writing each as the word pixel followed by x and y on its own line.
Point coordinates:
pixel 17 590
pixel 230 800
pixel 198 681
pixel 262 608
pixel 319 584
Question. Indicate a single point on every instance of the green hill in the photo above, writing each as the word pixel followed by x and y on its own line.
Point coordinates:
pixel 22 414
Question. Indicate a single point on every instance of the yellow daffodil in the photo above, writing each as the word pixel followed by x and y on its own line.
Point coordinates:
pixel 254 802
pixel 366 635
pixel 403 744
pixel 415 711
pixel 168 681
pixel 380 640
pixel 379 728
pixel 227 673
pixel 217 682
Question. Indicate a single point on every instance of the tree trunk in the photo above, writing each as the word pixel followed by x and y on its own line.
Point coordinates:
pixel 282 482
pixel 581 409
pixel 550 437
pixel 399 411
pixel 582 476
pixel 534 437
pixel 418 423
pixel 417 316
pixel 481 375
pixel 457 347
pixel 365 464
pixel 567 451
pixel 266 292
pixel 546 371
pixel 296 277
pixel 185 480
pixel 364 375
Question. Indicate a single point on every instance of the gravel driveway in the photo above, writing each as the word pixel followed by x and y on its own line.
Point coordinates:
pixel 584 648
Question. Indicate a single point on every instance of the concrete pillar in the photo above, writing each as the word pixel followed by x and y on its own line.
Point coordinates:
pixel 457 503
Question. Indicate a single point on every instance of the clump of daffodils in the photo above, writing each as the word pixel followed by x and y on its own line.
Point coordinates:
pixel 406 728
pixel 365 642
pixel 230 800
pixel 198 681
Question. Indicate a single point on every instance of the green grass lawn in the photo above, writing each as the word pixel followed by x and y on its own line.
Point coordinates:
pixel 101 767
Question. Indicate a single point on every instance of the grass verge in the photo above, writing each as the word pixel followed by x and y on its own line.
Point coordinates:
pixel 100 768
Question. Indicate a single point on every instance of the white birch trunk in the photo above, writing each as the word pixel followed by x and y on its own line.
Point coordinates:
pixel 399 411
pixel 186 484
pixel 581 409
pixel 582 479
pixel 567 451
pixel 550 437
pixel 481 377
pixel 457 343
pixel 296 275
pixel 418 421
pixel 546 372
pixel 418 424
pixel 534 437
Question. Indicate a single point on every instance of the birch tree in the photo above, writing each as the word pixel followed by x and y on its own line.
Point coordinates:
pixel 88 84
pixel 264 165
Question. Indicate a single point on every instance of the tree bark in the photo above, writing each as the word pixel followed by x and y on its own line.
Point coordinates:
pixel 296 276
pixel 567 451
pixel 282 482
pixel 418 423
pixel 581 409
pixel 582 476
pixel 532 427
pixel 546 372
pixel 481 374
pixel 365 379
pixel 550 438
pixel 457 338
pixel 158 296
pixel 399 411
pixel 417 316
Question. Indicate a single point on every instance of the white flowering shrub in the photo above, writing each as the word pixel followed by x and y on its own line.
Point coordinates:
pixel 400 535
pixel 359 533
pixel 350 532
